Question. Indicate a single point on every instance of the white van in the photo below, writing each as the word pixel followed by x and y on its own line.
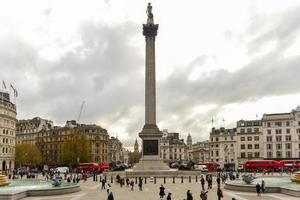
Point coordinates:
pixel 202 168
pixel 62 170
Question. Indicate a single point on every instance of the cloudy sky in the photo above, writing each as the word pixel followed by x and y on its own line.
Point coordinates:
pixel 214 59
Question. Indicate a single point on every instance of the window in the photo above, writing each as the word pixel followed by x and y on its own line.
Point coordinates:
pixel 212 139
pixel 256 154
pixel 278 131
pixel 242 130
pixel 231 137
pixel 288 154
pixel 243 155
pixel 269 146
pixel 256 146
pixel 249 138
pixel 288 131
pixel 278 146
pixel 242 138
pixel 298 123
pixel 242 146
pixel 217 153
pixel 269 124
pixel 278 154
pixel 298 130
pixel 269 131
pixel 278 138
pixel 249 146
pixel 278 124
pixel 287 123
pixel 217 139
pixel 249 130
pixel 270 154
pixel 225 138
pixel 212 153
pixel 256 138
pixel 256 130
pixel 288 138
pixel 269 138
pixel 250 155
pixel 217 145
pixel 288 146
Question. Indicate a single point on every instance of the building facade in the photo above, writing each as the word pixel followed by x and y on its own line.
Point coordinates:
pixel 172 148
pixel 281 135
pixel 223 147
pixel 26 130
pixel 249 137
pixel 50 142
pixel 189 141
pixel 7 132
pixel 115 150
pixel 200 152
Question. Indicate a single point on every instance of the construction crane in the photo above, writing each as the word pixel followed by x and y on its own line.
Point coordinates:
pixel 81 108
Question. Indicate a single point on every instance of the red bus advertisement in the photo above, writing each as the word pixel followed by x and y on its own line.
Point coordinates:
pixel 262 165
pixel 87 167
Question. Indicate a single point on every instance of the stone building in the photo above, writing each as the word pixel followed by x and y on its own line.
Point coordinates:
pixel 223 147
pixel 249 137
pixel 50 142
pixel 27 130
pixel 281 135
pixel 7 132
pixel 189 141
pixel 172 148
pixel 200 152
pixel 115 150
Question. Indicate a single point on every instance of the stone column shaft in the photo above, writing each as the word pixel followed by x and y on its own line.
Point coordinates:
pixel 150 89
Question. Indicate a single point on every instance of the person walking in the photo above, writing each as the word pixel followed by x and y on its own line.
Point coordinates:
pixel 189 195
pixel 103 184
pixel 140 183
pixel 219 181
pixel 110 196
pixel 202 182
pixel 263 186
pixel 169 196
pixel 219 193
pixel 258 188
pixel 161 191
pixel 132 184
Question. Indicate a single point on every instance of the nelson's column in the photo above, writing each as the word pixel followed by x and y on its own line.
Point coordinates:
pixel 150 134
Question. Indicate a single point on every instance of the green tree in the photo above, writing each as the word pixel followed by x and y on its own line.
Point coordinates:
pixel 76 148
pixel 28 154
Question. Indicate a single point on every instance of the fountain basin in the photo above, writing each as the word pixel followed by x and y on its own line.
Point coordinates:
pixel 23 188
pixel 274 184
pixel 3 181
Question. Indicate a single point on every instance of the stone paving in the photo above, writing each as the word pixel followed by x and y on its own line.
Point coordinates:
pixel 91 190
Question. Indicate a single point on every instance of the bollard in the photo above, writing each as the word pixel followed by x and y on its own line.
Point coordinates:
pixel 145 180
pixel 196 178
pixel 96 178
pixel 105 178
pixel 135 180
pixel 111 179
pixel 181 179
pixel 189 179
pixel 100 178
pixel 173 179
pixel 154 180
pixel 164 180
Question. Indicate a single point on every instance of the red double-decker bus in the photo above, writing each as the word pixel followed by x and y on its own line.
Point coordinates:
pixel 87 167
pixel 262 165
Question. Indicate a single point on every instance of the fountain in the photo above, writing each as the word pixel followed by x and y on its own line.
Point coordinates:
pixel 3 181
pixel 279 183
pixel 296 177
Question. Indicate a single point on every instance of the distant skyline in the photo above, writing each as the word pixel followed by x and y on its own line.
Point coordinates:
pixel 227 60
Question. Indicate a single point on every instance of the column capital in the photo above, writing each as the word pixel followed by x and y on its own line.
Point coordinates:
pixel 150 30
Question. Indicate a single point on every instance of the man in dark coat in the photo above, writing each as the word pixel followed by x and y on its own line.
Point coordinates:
pixel 258 188
pixel 189 195
pixel 110 196
pixel 169 196
pixel 161 191
pixel 202 182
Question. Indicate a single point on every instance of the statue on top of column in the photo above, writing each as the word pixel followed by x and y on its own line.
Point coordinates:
pixel 150 14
